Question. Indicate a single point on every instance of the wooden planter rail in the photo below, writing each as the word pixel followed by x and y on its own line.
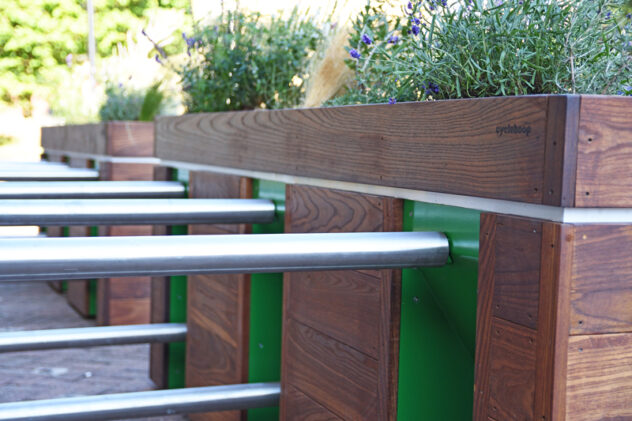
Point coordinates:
pixel 552 178
pixel 122 151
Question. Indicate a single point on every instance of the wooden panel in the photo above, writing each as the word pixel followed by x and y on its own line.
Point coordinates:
pixel 517 270
pixel 83 138
pixel 335 375
pixel 130 138
pixel 126 172
pixel 301 407
pixel 354 312
pixel 601 295
pixel 560 163
pixel 604 176
pixel 512 371
pixel 129 311
pixel 599 377
pixel 218 307
pixel 457 146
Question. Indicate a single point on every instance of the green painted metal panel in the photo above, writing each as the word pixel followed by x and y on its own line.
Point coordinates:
pixel 266 307
pixel 176 351
pixel 438 320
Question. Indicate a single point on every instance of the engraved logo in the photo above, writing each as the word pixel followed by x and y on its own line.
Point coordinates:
pixel 513 129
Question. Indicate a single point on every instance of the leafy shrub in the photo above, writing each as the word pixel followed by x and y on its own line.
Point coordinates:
pixel 246 61
pixel 437 49
pixel 123 103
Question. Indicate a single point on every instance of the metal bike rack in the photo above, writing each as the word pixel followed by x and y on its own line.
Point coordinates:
pixel 92 336
pixel 49 259
pixel 145 404
pixel 136 212
pixel 91 190
pixel 48 174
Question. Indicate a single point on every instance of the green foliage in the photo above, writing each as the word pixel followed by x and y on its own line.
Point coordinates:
pixel 5 140
pixel 125 103
pixel 476 48
pixel 244 61
pixel 38 37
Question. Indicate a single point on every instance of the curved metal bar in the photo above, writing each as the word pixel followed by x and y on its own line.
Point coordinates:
pixel 92 336
pixel 104 257
pixel 91 190
pixel 136 212
pixel 145 404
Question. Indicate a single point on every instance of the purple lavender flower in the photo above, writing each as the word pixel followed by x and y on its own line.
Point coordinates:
pixel 394 39
pixel 354 53
pixel 69 60
pixel 392 101
pixel 608 14
pixel 157 57
pixel 367 39
pixel 416 20
pixel 409 6
pixel 415 29
pixel 629 15
pixel 142 31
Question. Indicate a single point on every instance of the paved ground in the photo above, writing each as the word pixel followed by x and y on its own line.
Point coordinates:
pixel 63 373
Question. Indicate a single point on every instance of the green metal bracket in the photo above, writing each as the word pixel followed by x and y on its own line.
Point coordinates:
pixel 438 320
pixel 176 351
pixel 266 307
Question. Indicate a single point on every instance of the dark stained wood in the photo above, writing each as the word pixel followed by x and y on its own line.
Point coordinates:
pixel 356 313
pixel 599 377
pixel 333 374
pixel 604 175
pixel 553 320
pixel 517 270
pixel 126 172
pixel 130 138
pixel 452 146
pixel 218 306
pixel 301 407
pixel 484 312
pixel 82 138
pixel 601 290
pixel 159 305
pixel 560 159
pixel 511 371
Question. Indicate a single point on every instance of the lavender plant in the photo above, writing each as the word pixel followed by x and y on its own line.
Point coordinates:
pixel 439 49
pixel 245 61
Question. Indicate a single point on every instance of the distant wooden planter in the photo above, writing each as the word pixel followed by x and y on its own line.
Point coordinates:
pixel 106 145
pixel 552 178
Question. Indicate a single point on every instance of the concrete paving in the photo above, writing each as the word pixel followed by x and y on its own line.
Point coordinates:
pixel 69 372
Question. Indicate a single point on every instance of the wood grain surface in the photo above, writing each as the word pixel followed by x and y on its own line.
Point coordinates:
pixel 511 371
pixel 81 138
pixel 341 328
pixel 458 146
pixel 300 407
pixel 130 138
pixel 604 174
pixel 601 290
pixel 218 306
pixel 599 377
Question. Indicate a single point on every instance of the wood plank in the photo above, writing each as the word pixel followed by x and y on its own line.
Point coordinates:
pixel 81 138
pixel 301 406
pixel 517 270
pixel 601 294
pixel 560 163
pixel 599 377
pixel 130 138
pixel 333 374
pixel 553 322
pixel 484 312
pixel 126 172
pixel 604 176
pixel 358 310
pixel 218 306
pixel 512 371
pixel 457 146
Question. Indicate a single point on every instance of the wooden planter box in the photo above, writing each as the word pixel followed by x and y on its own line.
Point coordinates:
pixel 551 177
pixel 117 149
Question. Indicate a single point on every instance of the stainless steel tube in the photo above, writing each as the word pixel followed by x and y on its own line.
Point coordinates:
pixel 135 212
pixel 91 189
pixel 52 174
pixel 145 404
pixel 6 165
pixel 104 257
pixel 92 336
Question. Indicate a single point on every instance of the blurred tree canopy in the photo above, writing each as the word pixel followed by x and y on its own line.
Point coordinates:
pixel 40 37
